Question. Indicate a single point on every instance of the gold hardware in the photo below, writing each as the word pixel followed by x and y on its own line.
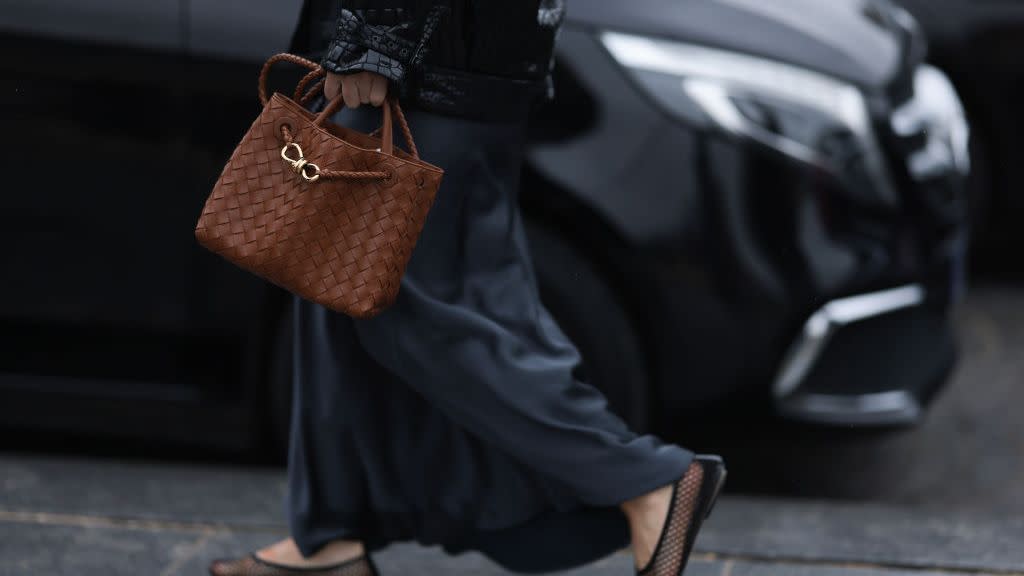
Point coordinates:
pixel 300 164
pixel 284 152
pixel 314 168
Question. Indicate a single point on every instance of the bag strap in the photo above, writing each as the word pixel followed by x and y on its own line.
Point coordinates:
pixel 283 57
pixel 315 75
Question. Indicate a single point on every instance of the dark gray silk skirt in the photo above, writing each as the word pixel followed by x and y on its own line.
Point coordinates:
pixel 453 418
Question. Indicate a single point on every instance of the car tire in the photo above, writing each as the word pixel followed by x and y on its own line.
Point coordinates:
pixel 586 308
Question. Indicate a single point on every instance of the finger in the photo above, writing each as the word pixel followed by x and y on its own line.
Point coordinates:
pixel 378 89
pixel 364 84
pixel 332 85
pixel 349 92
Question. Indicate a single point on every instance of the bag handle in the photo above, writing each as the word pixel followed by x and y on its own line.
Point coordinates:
pixel 387 132
pixel 316 77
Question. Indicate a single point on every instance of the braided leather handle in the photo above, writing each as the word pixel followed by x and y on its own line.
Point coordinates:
pixel 316 78
pixel 316 75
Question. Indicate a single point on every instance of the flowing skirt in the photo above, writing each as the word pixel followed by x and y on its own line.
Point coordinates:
pixel 454 418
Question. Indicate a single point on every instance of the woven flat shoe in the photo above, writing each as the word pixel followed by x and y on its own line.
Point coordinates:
pixel 693 498
pixel 253 565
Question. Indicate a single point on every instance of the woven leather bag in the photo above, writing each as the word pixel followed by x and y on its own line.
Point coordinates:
pixel 326 212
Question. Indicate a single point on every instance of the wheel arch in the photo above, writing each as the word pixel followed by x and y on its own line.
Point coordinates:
pixel 595 239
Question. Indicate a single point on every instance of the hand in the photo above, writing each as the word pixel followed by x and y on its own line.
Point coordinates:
pixel 356 89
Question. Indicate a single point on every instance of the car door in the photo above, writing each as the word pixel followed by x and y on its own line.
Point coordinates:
pixel 113 320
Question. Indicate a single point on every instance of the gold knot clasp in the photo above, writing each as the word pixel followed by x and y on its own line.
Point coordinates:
pixel 300 165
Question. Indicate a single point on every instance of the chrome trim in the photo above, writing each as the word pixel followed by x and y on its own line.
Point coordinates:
pixel 881 408
pixel 815 336
pixel 712 77
pixel 936 112
pixel 715 100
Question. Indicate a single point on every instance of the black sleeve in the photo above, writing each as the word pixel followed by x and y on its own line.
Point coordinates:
pixel 390 40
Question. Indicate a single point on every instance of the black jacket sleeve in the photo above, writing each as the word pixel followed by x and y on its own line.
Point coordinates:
pixel 390 40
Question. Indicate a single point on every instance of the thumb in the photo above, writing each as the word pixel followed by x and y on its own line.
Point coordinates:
pixel 332 85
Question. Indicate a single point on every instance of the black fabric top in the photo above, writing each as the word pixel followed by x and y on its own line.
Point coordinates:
pixel 467 58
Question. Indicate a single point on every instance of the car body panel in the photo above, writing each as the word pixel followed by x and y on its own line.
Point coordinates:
pixel 116 320
pixel 740 244
pixel 156 24
pixel 835 36
pixel 123 325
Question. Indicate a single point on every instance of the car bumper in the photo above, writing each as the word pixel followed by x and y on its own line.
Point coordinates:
pixel 872 359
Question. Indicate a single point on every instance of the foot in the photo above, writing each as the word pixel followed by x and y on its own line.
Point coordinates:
pixel 338 557
pixel 664 523
pixel 286 553
pixel 647 516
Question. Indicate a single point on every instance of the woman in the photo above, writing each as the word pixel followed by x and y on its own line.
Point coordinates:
pixel 453 418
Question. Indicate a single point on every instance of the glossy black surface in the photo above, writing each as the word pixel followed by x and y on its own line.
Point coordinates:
pixel 851 39
pixel 722 248
pixel 118 323
pixel 114 319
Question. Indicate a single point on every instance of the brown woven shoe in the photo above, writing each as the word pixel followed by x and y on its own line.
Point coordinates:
pixel 253 565
pixel 693 498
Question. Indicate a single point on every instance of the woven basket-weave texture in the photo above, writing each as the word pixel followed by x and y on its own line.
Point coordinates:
pixel 341 242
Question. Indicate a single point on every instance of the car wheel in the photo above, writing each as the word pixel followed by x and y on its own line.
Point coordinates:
pixel 587 309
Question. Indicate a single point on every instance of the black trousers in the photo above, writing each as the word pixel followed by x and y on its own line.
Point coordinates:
pixel 453 418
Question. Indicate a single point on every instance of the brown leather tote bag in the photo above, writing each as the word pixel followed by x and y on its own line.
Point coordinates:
pixel 323 211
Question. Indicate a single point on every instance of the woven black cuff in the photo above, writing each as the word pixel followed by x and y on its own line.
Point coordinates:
pixel 389 50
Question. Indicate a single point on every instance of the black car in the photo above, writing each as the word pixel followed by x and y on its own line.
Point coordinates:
pixel 728 201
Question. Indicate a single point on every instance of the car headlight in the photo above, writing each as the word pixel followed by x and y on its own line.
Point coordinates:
pixel 806 115
pixel 935 113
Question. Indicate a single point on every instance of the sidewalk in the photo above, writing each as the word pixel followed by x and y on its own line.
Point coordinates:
pixel 61 516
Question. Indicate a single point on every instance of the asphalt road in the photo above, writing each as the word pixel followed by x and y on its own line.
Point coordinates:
pixel 71 516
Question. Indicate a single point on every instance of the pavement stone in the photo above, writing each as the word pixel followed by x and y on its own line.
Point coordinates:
pixel 231 510
pixel 48 550
pixel 871 534
pixel 95 550
pixel 55 550
pixel 733 568
pixel 411 559
pixel 114 488
pixel 219 545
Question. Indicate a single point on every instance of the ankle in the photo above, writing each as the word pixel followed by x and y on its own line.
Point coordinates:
pixel 642 506
pixel 341 550
pixel 287 552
